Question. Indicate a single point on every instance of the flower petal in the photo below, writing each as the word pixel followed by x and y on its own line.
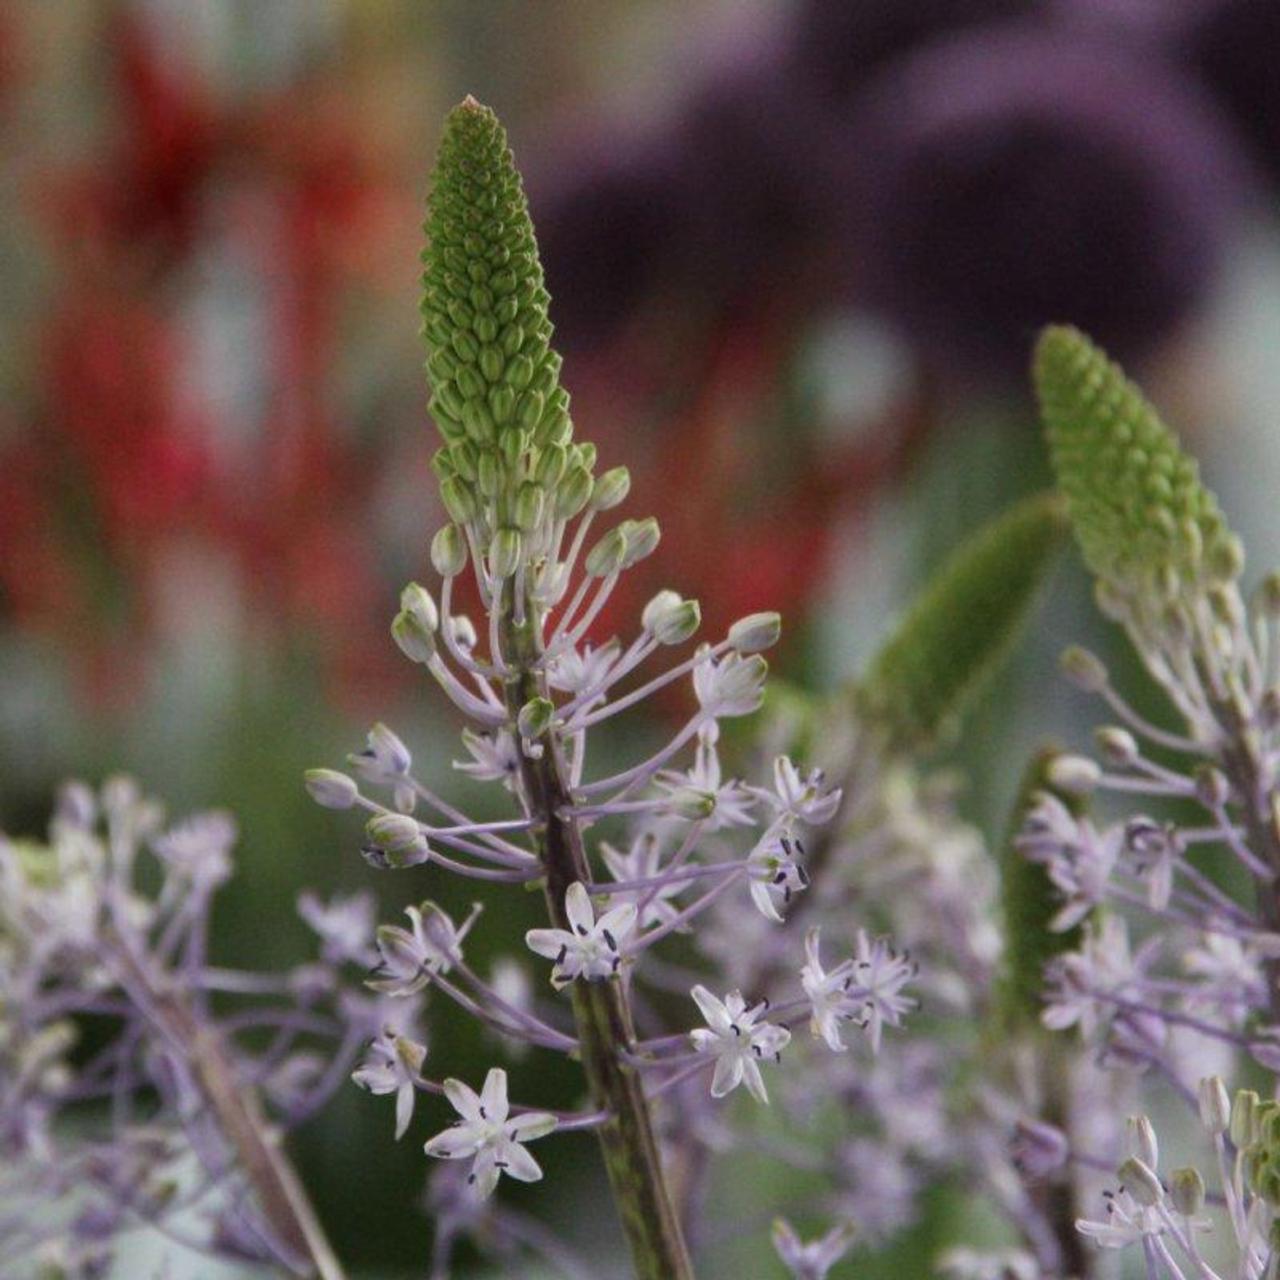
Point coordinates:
pixel 463 1098
pixel 577 906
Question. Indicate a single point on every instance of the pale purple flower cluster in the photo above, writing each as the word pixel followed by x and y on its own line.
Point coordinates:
pixel 172 1119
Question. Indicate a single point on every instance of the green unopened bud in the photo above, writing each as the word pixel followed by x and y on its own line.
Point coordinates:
pixel 1076 775
pixel 669 619
pixel 416 599
pixel 504 552
pixel 1084 669
pixel 331 789
pixel 607 555
pixel 756 632
pixel 1212 788
pixel 1244 1113
pixel 449 551
pixel 1215 1104
pixel 1187 1191
pixel 489 472
pixel 535 718
pixel 398 838
pixel 642 538
pixel 459 500
pixel 552 464
pixel 573 492
pixel 1118 746
pixel 1266 599
pixel 1141 1182
pixel 528 508
pixel 1226 562
pixel 611 488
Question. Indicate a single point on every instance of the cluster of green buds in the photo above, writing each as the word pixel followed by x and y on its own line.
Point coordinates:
pixel 1255 1132
pixel 511 474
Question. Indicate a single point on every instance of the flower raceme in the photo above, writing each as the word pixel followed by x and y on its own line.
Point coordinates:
pixel 682 842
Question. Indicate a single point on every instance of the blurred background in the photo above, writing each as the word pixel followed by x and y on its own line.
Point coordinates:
pixel 798 251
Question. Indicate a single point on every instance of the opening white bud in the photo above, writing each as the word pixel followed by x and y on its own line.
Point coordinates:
pixel 1084 669
pixel 692 803
pixel 1118 746
pixel 611 488
pixel 1076 775
pixel 1215 1104
pixel 449 551
pixel 331 789
pixel 1141 1182
pixel 535 718
pixel 676 623
pixel 1187 1191
pixel 755 632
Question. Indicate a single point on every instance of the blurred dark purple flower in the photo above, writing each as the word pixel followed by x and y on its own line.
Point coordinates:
pixel 1234 46
pixel 839 43
pixel 606 215
pixel 1016 176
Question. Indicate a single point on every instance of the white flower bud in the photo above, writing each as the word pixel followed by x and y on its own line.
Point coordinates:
pixel 464 631
pixel 535 718
pixel 1118 746
pixel 331 789
pixel 1141 1182
pixel 1187 1191
pixel 691 803
pixel 413 640
pixel 1077 775
pixel 611 488
pixel 755 632
pixel 671 620
pixel 1142 1140
pixel 1215 1104
pixel 1084 669
pixel 449 551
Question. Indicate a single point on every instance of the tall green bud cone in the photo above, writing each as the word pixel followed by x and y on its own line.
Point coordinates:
pixel 1028 903
pixel 1149 529
pixel 962 627
pixel 494 376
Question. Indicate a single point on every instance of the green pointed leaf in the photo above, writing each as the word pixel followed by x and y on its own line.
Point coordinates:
pixel 1028 902
pixel 962 627
pixel 1149 529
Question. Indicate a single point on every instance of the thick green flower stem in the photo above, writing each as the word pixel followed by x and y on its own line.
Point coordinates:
pixel 602 1010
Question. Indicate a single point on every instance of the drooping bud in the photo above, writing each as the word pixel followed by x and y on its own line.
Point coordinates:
pixel 670 619
pixel 449 551
pixel 395 841
pixel 756 632
pixel 607 555
pixel 1085 670
pixel 1118 746
pixel 642 537
pixel 1187 1191
pixel 412 638
pixel 331 789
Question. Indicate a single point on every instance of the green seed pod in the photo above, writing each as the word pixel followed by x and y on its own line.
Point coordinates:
pixel 449 551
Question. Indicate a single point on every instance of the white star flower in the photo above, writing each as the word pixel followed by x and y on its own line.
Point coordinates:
pixel 643 861
pixel 495 757
pixel 733 803
pixel 344 925
pixel 385 762
pixel 589 948
pixel 199 848
pixel 731 686
pixel 812 1261
pixel 828 993
pixel 805 796
pixel 393 1065
pixel 879 974
pixel 737 1040
pixel 577 670
pixel 488 1132
pixel 775 869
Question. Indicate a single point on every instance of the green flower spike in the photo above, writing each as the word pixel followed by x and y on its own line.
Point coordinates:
pixel 509 471
pixel 1150 531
